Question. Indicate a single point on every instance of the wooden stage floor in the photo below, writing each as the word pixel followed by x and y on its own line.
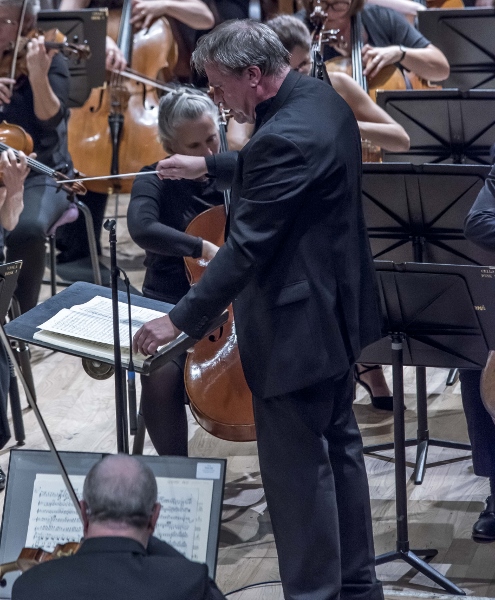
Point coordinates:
pixel 80 414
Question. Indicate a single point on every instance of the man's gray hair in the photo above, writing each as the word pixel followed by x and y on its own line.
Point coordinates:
pixel 178 107
pixel 235 45
pixel 32 8
pixel 120 489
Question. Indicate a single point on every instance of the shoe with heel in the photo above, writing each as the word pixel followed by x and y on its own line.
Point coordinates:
pixel 380 402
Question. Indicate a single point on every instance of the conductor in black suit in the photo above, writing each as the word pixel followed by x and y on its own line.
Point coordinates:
pixel 297 265
pixel 118 560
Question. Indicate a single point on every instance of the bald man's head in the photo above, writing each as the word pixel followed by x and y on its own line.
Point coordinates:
pixel 120 489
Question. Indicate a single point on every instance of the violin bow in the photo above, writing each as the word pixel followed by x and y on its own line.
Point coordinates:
pixel 18 42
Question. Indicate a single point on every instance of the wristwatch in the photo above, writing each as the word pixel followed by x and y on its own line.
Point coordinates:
pixel 403 55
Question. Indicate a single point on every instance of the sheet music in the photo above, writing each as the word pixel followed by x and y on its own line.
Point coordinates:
pixel 53 519
pixel 93 321
pixel 184 519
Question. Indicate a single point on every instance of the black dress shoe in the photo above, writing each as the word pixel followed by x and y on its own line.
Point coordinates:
pixel 484 528
pixel 3 479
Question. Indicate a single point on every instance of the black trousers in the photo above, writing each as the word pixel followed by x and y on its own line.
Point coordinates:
pixel 481 427
pixel 44 203
pixel 313 472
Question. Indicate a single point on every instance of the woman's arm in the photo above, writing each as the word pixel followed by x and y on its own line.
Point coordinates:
pixel 11 199
pixel 193 13
pixel 374 123
pixel 429 62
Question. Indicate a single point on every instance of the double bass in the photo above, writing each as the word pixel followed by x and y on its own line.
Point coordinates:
pixel 116 131
pixel 220 399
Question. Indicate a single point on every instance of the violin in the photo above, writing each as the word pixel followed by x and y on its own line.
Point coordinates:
pixel 15 138
pixel 29 557
pixel 54 40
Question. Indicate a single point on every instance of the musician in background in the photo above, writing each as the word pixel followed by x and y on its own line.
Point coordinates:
pixel 185 18
pixel 480 229
pixel 158 215
pixel 388 39
pixel 38 103
pixel 374 123
pixel 119 558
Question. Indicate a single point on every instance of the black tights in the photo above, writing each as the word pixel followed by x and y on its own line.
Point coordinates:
pixel 164 410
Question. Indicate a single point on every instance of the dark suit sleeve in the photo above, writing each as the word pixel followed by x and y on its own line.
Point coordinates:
pixel 221 167
pixel 479 226
pixel 274 179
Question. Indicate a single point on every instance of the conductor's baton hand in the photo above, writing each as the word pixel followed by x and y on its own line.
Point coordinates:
pixel 154 334
pixel 180 166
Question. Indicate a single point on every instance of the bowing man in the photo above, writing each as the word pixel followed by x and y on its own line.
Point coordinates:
pixel 297 266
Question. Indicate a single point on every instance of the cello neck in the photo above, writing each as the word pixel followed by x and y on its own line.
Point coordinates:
pixel 224 147
pixel 124 40
pixel 356 55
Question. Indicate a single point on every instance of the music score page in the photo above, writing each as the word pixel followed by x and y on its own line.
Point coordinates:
pixel 184 519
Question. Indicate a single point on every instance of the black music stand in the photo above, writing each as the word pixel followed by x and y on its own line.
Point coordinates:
pixel 88 26
pixel 24 327
pixel 435 315
pixel 466 39
pixel 445 126
pixel 416 213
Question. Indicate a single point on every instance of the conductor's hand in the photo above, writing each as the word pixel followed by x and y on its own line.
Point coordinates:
pixel 154 334
pixel 180 166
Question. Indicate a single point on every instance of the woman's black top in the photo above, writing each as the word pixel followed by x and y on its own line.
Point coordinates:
pixel 50 136
pixel 158 215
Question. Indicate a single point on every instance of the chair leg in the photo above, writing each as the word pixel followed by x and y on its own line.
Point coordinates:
pixel 53 264
pixel 22 350
pixel 93 251
pixel 15 408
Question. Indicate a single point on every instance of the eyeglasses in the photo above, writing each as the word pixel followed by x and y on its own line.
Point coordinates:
pixel 338 6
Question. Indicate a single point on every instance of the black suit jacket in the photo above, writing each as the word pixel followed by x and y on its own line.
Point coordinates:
pixel 121 569
pixel 296 262
pixel 479 226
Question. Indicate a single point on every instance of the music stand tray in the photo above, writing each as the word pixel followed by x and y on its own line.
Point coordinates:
pixel 445 126
pixel 466 39
pixel 435 315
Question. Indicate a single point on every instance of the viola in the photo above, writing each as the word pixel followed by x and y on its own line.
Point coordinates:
pixel 15 138
pixel 220 399
pixel 54 40
pixel 29 557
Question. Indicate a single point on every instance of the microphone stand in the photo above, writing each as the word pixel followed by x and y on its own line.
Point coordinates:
pixel 120 398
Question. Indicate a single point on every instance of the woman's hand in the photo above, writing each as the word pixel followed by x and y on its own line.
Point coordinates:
pixel 115 60
pixel 38 59
pixel 144 12
pixel 5 89
pixel 374 59
pixel 14 171
pixel 209 250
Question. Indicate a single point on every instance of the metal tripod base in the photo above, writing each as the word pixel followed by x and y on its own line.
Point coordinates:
pixel 411 557
pixel 422 440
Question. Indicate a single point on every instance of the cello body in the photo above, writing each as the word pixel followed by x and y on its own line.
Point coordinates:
pixel 220 399
pixel 89 134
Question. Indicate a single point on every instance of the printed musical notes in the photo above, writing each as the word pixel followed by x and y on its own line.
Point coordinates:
pixel 184 517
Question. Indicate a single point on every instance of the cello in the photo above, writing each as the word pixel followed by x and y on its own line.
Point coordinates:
pixel 220 399
pixel 116 131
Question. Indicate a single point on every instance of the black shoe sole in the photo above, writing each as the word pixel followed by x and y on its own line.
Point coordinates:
pixel 482 540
